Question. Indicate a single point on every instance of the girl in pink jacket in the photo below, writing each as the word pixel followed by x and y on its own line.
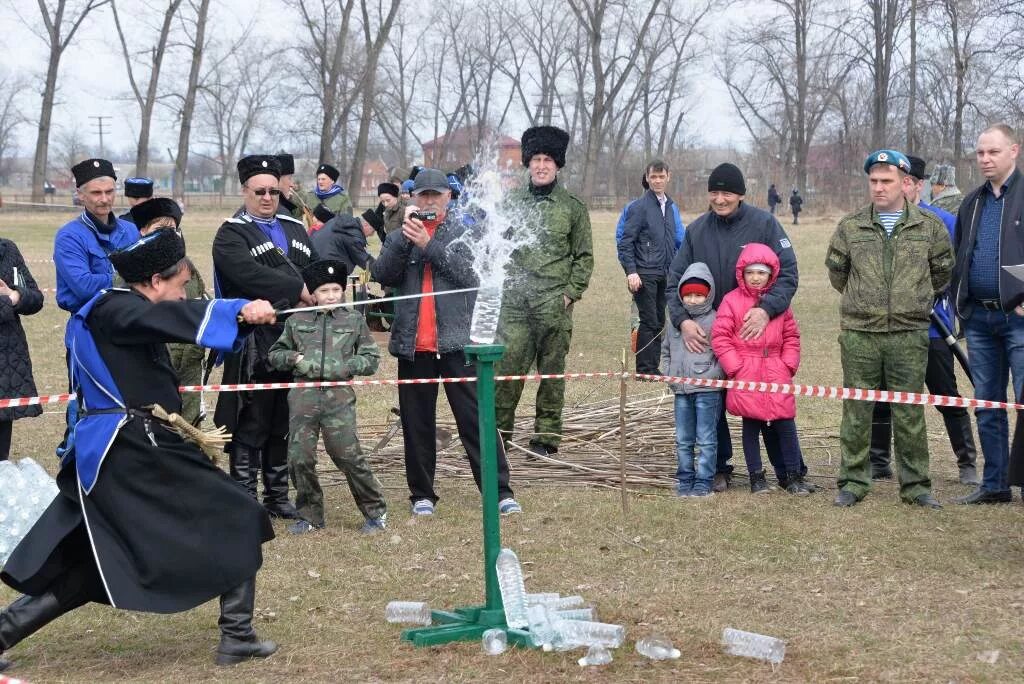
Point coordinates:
pixel 773 356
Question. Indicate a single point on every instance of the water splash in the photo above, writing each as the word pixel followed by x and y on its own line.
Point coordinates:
pixel 501 227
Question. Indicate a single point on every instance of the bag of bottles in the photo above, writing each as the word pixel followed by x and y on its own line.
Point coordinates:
pixel 26 490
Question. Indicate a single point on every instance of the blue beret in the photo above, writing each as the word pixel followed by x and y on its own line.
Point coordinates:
pixel 138 187
pixel 407 185
pixel 891 157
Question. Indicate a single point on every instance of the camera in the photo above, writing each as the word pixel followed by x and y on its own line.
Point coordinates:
pixel 424 215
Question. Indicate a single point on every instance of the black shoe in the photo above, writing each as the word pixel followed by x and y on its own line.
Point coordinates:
pixel 244 464
pixel 845 499
pixel 539 450
pixel 984 496
pixel 721 483
pixel 285 511
pixel 275 480
pixel 881 473
pixel 796 486
pixel 238 640
pixel 303 527
pixel 758 483
pixel 969 475
pixel 927 501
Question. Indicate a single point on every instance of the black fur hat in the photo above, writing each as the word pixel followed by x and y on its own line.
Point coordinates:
pixel 88 169
pixel 549 140
pixel 257 164
pixel 322 213
pixel 329 171
pixel 158 207
pixel 154 253
pixel 287 163
pixel 325 271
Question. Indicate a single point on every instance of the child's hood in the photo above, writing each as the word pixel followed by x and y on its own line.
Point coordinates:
pixel 698 269
pixel 756 253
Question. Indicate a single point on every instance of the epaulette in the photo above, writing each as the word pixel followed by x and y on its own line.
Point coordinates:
pixel 286 217
pixel 234 219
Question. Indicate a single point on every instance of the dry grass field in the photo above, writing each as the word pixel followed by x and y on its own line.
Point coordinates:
pixel 880 592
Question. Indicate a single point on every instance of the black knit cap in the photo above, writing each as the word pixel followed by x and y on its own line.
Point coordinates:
pixel 375 220
pixel 158 207
pixel 727 178
pixel 414 171
pixel 549 140
pixel 328 171
pixel 387 189
pixel 322 213
pixel 89 169
pixel 257 164
pixel 287 163
pixel 917 167
pixel 325 271
pixel 154 253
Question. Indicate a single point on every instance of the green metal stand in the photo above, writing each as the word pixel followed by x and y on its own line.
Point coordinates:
pixel 469 623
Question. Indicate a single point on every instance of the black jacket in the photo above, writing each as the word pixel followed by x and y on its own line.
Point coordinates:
pixel 1011 246
pixel 718 241
pixel 796 203
pixel 400 265
pixel 342 239
pixel 15 364
pixel 649 240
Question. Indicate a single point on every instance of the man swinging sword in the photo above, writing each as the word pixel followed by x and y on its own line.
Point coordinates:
pixel 144 520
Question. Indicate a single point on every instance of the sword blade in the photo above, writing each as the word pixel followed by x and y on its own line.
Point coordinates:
pixel 324 307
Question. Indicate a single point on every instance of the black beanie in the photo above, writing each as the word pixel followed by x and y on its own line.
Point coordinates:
pixel 727 178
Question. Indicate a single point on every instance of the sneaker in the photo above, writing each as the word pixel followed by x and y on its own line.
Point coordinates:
pixel 701 493
pixel 423 507
pixel 303 527
pixel 509 506
pixel 374 525
pixel 684 491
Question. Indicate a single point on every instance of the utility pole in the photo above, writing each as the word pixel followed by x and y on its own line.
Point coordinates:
pixel 99 124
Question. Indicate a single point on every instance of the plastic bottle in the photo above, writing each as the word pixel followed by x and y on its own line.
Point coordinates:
pixel 565 602
pixel 596 655
pixel 543 597
pixel 657 647
pixel 752 645
pixel 588 614
pixel 494 641
pixel 513 590
pixel 542 632
pixel 414 612
pixel 584 633
pixel 485 313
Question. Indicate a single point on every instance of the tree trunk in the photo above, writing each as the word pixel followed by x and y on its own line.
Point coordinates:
pixel 43 131
pixel 181 160
pixel 912 101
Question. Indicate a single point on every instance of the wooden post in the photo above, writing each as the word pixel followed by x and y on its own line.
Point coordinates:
pixel 622 435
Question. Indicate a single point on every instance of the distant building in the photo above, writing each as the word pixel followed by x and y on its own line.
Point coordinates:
pixel 461 146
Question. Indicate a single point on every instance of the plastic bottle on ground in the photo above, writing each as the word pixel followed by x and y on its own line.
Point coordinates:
pixel 513 590
pixel 596 655
pixel 414 612
pixel 753 645
pixel 565 602
pixel 494 641
pixel 542 632
pixel 589 614
pixel 543 597
pixel 657 647
pixel 584 633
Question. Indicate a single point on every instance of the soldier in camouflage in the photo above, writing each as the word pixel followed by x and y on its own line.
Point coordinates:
pixel 545 278
pixel 188 360
pixel 889 260
pixel 333 344
pixel 945 194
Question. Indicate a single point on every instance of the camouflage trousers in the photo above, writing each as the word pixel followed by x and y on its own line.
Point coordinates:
pixel 332 412
pixel 187 361
pixel 533 334
pixel 896 361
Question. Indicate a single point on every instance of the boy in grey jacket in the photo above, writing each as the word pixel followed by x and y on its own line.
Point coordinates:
pixel 697 409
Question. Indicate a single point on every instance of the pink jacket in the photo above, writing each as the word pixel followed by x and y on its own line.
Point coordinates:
pixel 772 357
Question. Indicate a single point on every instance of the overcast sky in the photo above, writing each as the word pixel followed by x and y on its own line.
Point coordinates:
pixel 93 79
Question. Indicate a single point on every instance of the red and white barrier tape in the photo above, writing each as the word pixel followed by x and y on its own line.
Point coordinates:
pixel 837 392
pixel 771 387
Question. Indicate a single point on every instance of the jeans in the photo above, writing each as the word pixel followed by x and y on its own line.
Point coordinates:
pixel 996 343
pixel 697 425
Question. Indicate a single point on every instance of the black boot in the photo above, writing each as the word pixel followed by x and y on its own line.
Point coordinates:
pixel 275 480
pixel 961 438
pixel 24 617
pixel 881 437
pixel 238 640
pixel 244 464
pixel 758 482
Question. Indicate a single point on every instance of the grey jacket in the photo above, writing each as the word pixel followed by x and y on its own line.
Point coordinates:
pixel 676 359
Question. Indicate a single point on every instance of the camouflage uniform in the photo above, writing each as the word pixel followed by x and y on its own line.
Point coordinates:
pixel 535 325
pixel 888 285
pixel 335 345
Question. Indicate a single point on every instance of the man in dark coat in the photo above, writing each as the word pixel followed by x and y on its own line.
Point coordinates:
pixel 773 198
pixel 796 204
pixel 259 254
pixel 716 238
pixel 19 296
pixel 143 520
pixel 342 238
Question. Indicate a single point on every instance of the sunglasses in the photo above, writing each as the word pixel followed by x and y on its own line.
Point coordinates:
pixel 273 192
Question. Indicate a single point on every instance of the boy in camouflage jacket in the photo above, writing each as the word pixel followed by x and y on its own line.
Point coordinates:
pixel 333 344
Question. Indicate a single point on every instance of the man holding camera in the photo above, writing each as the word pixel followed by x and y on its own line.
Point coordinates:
pixel 427 336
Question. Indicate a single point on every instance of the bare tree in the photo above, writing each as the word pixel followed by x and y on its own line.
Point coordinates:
pixel 375 35
pixel 202 11
pixel 12 88
pixel 885 21
pixel 912 140
pixel 396 113
pixel 61 21
pixel 145 93
pixel 611 65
